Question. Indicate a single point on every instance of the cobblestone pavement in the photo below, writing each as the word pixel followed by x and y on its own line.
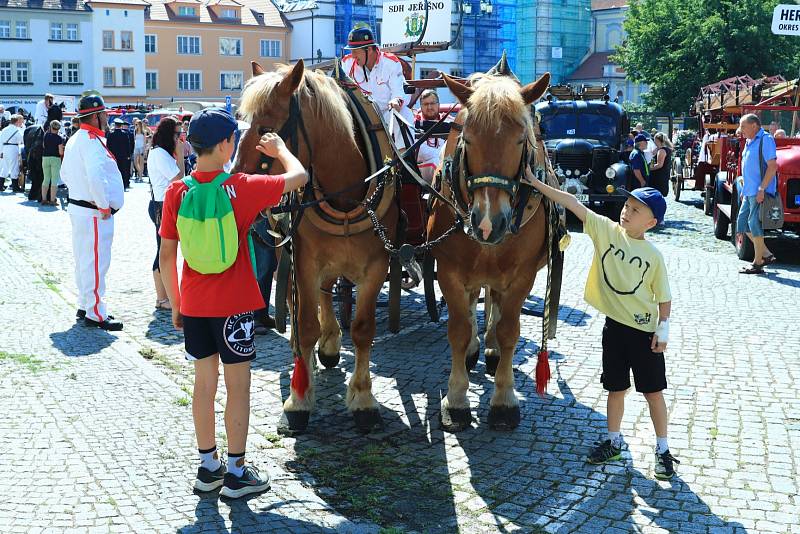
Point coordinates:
pixel 110 432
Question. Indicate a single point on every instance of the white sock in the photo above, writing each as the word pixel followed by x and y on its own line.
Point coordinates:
pixel 661 445
pixel 210 459
pixel 616 439
pixel 233 460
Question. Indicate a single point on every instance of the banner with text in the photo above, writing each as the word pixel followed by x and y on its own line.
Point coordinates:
pixel 786 19
pixel 404 21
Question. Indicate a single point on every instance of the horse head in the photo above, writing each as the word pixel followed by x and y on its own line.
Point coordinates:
pixel 496 137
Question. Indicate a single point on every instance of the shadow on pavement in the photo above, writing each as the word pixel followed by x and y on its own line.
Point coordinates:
pixel 244 519
pixel 79 340
pixel 160 329
pixel 540 477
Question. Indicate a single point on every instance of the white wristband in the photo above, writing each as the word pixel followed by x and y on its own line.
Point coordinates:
pixel 662 331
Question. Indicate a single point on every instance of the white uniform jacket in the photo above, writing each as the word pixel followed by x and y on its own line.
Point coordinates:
pixel 40 114
pixel 383 83
pixel 91 173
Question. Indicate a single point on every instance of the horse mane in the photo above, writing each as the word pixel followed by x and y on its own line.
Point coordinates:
pixel 496 100
pixel 317 92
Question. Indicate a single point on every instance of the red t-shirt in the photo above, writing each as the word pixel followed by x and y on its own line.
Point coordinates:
pixel 234 290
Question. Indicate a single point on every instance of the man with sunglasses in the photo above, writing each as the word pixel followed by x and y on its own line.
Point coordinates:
pixel 95 195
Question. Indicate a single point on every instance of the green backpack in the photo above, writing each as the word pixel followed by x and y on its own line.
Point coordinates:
pixel 207 226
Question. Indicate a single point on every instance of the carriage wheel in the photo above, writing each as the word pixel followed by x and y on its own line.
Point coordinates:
pixel 395 277
pixel 708 204
pixel 428 276
pixel 677 186
pixel 344 296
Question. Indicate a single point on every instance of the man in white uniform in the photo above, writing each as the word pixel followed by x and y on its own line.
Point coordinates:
pixel 429 155
pixel 42 107
pixel 10 142
pixel 95 194
pixel 380 76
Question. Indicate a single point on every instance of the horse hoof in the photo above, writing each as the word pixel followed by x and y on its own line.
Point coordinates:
pixel 492 360
pixel 472 360
pixel 293 423
pixel 504 417
pixel 328 361
pixel 367 420
pixel 455 419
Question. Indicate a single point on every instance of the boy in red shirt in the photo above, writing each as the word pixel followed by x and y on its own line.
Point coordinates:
pixel 215 311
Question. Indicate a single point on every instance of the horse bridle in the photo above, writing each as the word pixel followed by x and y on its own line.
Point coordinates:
pixel 288 132
pixel 456 171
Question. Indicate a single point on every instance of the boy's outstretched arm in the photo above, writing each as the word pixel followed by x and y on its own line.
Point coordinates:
pixel 565 199
pixel 273 146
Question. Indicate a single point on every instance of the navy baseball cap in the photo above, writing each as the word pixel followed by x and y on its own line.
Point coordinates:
pixel 641 137
pixel 211 126
pixel 652 198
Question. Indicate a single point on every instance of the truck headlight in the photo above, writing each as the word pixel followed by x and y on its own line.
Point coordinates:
pixel 611 173
pixel 610 189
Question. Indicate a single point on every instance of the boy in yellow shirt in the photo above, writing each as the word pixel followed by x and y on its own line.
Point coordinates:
pixel 628 283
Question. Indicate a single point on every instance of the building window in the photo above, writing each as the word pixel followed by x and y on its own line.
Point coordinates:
pixel 72 32
pixel 108 77
pixel 5 72
pixel 184 11
pixel 151 80
pixel 5 29
pixel 22 29
pixel 230 14
pixel 270 48
pixel 229 81
pixel 425 74
pixel 127 77
pixel 229 46
pixel 23 67
pixel 108 40
pixel 150 44
pixel 457 73
pixel 188 80
pixel 126 40
pixel 73 73
pixel 56 31
pixel 189 44
pixel 57 73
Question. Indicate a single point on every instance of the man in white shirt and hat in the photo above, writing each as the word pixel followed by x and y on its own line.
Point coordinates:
pixel 42 107
pixel 95 195
pixel 380 76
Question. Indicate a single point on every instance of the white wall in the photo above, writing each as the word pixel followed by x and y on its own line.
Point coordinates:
pixel 304 44
pixel 118 20
pixel 40 52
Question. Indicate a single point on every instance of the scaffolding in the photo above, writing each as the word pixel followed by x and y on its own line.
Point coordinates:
pixel 552 36
pixel 486 35
pixel 350 12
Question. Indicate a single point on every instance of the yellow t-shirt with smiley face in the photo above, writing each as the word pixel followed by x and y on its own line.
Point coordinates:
pixel 628 277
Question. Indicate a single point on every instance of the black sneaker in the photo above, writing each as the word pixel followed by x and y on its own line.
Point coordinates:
pixel 210 480
pixel 108 324
pixel 604 452
pixel 664 468
pixel 250 482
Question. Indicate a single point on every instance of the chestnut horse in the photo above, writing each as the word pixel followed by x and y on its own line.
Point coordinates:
pixel 334 156
pixel 495 144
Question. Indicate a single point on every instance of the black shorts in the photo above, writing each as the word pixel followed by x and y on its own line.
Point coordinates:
pixel 626 348
pixel 232 337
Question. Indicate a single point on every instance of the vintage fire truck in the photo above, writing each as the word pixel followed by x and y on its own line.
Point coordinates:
pixel 584 134
pixel 728 183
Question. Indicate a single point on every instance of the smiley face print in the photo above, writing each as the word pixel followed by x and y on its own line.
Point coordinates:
pixel 623 275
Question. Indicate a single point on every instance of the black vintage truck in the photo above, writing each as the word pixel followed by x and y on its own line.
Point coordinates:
pixel 585 134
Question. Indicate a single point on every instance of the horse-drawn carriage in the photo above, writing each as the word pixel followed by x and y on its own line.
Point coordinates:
pixel 484 227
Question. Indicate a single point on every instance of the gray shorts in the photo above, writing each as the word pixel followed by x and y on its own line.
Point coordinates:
pixel 748 220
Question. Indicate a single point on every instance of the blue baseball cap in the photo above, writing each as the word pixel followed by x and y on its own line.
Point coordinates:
pixel 652 198
pixel 211 126
pixel 641 137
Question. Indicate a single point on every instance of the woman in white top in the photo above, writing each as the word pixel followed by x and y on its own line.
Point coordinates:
pixel 163 168
pixel 141 136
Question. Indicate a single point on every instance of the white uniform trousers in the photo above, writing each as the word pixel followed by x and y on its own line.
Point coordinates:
pixel 9 165
pixel 91 247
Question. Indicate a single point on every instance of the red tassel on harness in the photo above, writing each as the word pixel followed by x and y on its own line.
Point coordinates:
pixel 300 377
pixel 542 372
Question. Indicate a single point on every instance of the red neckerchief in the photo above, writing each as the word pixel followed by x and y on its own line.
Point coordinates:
pixel 96 133
pixel 353 74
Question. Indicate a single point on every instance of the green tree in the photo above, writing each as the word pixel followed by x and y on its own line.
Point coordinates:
pixel 678 46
